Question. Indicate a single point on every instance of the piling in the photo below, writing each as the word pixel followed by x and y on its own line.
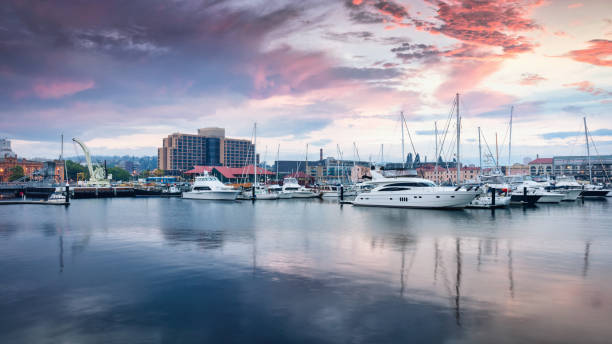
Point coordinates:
pixel 67 194
pixel 524 195
pixel 341 193
pixel 493 197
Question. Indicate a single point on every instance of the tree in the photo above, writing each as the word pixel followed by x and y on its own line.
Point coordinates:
pixel 16 173
pixel 158 173
pixel 145 174
pixel 72 169
pixel 119 174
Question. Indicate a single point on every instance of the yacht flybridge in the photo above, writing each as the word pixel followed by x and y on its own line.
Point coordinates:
pixel 210 188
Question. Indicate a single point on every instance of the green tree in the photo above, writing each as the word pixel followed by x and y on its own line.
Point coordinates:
pixel 158 172
pixel 145 174
pixel 73 168
pixel 16 173
pixel 119 174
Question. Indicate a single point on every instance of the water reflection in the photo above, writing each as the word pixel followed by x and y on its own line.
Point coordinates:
pixel 304 271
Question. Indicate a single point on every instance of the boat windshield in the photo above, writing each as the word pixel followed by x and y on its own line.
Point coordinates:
pixel 290 181
pixel 492 179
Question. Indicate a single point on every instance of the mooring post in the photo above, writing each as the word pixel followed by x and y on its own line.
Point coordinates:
pixel 67 194
pixel 493 197
pixel 524 195
pixel 341 192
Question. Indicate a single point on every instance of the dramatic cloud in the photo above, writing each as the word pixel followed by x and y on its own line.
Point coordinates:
pixel 598 53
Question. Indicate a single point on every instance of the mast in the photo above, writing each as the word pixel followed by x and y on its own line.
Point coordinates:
pixel 277 157
pixel 436 157
pixel 496 154
pixel 62 158
pixel 479 151
pixel 586 135
pixel 255 153
pixel 306 167
pixel 402 125
pixel 458 143
pixel 510 141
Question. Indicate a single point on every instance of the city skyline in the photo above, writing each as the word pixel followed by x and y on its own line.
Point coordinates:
pixel 323 73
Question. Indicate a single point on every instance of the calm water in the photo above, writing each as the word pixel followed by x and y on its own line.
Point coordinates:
pixel 172 270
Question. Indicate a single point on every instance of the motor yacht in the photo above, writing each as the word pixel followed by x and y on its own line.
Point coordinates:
pixel 486 200
pixel 291 189
pixel 569 186
pixel 412 192
pixel 210 188
pixel 524 190
pixel 330 191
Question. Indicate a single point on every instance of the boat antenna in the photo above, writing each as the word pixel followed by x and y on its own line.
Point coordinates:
pixel 479 151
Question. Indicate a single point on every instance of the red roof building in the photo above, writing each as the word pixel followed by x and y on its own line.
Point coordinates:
pixel 232 175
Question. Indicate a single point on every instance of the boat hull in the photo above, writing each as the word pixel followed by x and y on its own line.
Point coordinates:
pixel 570 195
pixel 212 195
pixel 594 193
pixel 485 202
pixel 396 199
pixel 524 199
pixel 551 198
pixel 304 194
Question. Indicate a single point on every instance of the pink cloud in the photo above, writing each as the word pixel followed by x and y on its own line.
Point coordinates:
pixel 599 53
pixel 588 87
pixel 466 75
pixel 575 5
pixel 58 89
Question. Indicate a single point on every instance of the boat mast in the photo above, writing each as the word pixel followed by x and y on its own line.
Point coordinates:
pixel 436 157
pixel 277 161
pixel 62 158
pixel 458 143
pixel 306 168
pixel 586 135
pixel 479 151
pixel 496 154
pixel 255 153
pixel 402 125
pixel 510 141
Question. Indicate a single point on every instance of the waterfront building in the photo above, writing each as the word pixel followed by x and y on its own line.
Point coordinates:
pixel 328 170
pixel 519 169
pixel 444 175
pixel 541 167
pixel 29 167
pixel 233 175
pixel 209 147
pixel 578 167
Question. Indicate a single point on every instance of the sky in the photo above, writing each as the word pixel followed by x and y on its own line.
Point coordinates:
pixel 121 75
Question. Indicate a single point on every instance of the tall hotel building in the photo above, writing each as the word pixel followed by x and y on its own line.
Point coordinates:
pixel 210 147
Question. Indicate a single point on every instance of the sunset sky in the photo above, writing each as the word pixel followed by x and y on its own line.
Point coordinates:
pixel 123 74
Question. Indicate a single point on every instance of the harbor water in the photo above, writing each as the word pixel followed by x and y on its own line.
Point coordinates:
pixel 147 270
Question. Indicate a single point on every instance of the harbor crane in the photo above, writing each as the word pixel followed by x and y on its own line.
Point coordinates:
pixel 96 172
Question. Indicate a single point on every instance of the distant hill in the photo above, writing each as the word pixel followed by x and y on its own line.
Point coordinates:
pixel 130 163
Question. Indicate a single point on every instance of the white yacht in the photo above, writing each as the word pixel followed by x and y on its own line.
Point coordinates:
pixel 521 183
pixel 209 187
pixel 261 193
pixel 410 192
pixel 291 189
pixel 333 191
pixel 568 186
pixel 58 196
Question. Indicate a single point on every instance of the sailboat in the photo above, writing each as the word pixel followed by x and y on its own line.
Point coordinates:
pixel 259 192
pixel 410 192
pixel 590 190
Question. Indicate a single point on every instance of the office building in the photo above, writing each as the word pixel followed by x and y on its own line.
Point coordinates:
pixel 209 147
